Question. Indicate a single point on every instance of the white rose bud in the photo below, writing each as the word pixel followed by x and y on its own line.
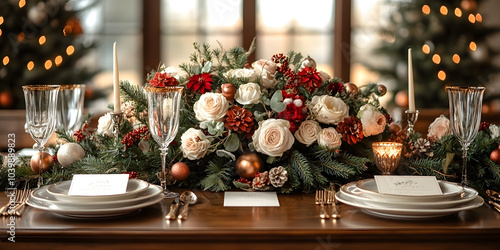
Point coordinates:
pixel 308 132
pixel 439 128
pixel 273 137
pixel 210 106
pixel 329 109
pixel 241 73
pixel 248 94
pixel 330 138
pixel 194 144
pixel 267 71
pixel 105 125
pixel 372 119
pixel 495 131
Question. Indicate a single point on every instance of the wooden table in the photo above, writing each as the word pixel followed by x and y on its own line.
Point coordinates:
pixel 294 225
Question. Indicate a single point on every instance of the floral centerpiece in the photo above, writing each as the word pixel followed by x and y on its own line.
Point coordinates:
pixel 297 127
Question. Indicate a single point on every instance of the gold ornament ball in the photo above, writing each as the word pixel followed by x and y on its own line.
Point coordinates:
pixel 228 91
pixel 382 90
pixel 248 165
pixel 47 162
pixel 180 171
pixel 495 156
pixel 401 99
pixel 351 88
pixel 308 61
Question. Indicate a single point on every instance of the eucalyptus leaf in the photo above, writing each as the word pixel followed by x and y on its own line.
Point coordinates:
pixel 277 102
pixel 206 68
pixel 226 154
pixel 232 143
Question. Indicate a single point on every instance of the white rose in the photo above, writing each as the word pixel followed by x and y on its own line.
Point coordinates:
pixel 175 72
pixel 495 131
pixel 267 71
pixel 105 125
pixel 330 138
pixel 273 137
pixel 242 73
pixel 372 119
pixel 324 76
pixel 439 128
pixel 210 106
pixel 329 109
pixel 248 94
pixel 308 131
pixel 194 144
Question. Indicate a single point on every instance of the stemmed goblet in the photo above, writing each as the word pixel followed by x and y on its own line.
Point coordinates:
pixel 465 118
pixel 70 107
pixel 41 103
pixel 163 115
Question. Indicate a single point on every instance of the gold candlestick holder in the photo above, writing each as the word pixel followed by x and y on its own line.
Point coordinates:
pixel 387 155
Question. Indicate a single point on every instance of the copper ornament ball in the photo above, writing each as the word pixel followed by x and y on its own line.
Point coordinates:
pixel 394 128
pixel 228 90
pixel 351 88
pixel 47 162
pixel 180 171
pixel 495 156
pixel 382 89
pixel 248 165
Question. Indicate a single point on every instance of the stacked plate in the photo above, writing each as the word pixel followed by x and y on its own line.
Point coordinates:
pixel 364 194
pixel 55 198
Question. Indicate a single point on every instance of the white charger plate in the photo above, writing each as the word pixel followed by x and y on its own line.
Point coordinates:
pixel 43 196
pixel 93 213
pixel 450 191
pixel 352 191
pixel 60 192
pixel 409 213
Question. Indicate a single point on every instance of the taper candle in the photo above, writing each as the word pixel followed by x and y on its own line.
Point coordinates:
pixel 116 81
pixel 411 92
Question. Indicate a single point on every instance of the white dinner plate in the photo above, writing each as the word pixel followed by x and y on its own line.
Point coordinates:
pixel 94 213
pixel 352 191
pixel 450 191
pixel 44 197
pixel 60 192
pixel 409 213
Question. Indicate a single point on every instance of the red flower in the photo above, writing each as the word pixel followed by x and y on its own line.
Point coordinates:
pixel 162 80
pixel 202 83
pixel 309 78
pixel 335 87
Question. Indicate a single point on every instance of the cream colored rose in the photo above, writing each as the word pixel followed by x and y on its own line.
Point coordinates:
pixel 176 72
pixel 248 94
pixel 267 71
pixel 372 119
pixel 329 109
pixel 324 76
pixel 273 137
pixel 308 132
pixel 194 144
pixel 330 138
pixel 210 106
pixel 242 73
pixel 105 125
pixel 495 131
pixel 439 128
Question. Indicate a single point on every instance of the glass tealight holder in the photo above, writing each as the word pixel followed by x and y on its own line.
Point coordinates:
pixel 387 155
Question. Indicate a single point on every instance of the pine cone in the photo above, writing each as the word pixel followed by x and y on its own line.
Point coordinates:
pixel 422 146
pixel 239 120
pixel 261 180
pixel 278 176
pixel 351 130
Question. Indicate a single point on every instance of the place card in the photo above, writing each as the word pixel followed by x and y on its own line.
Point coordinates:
pixel 251 199
pixel 407 185
pixel 98 184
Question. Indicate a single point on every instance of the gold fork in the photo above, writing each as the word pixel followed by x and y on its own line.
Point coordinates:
pixel 19 208
pixel 333 201
pixel 320 200
pixel 17 197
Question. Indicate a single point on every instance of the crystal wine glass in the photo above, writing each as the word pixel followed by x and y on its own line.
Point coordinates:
pixel 163 113
pixel 465 117
pixel 41 103
pixel 70 107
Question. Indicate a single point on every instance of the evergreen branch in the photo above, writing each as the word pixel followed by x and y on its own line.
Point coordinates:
pixel 300 165
pixel 218 176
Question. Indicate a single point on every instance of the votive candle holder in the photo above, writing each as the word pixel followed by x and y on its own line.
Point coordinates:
pixel 387 155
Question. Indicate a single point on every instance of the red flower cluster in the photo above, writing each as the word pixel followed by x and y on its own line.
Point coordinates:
pixel 162 80
pixel 351 130
pixel 135 136
pixel 335 87
pixel 244 181
pixel 309 78
pixel 202 83
pixel 81 133
pixel 280 59
pixel 388 119
pixel 484 126
pixel 132 174
pixel 292 113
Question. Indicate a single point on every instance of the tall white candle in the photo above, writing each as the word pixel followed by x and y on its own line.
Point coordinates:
pixel 411 92
pixel 116 81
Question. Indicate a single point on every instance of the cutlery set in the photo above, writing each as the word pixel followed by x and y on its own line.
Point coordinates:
pixel 327 197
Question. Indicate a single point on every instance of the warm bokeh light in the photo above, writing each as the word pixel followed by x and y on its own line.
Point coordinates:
pixel 472 46
pixel 441 75
pixel 0 32
pixel 48 64
pixel 456 58
pixel 436 59
pixel 443 10
pixel 472 18
pixel 479 18
pixel 426 9
pixel 458 12
pixel 58 60
pixel 6 60
pixel 426 49
pixel 42 40
pixel 1 20
pixel 67 30
pixel 30 65
pixel 20 37
pixel 70 50
pixel 22 3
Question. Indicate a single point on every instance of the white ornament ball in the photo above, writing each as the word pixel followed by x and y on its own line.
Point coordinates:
pixel 298 103
pixel 69 153
pixel 287 101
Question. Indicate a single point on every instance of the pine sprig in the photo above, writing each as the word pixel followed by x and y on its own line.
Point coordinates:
pixel 218 177
pixel 300 165
pixel 132 92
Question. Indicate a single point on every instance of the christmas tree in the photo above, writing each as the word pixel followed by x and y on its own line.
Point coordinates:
pixel 40 43
pixel 448 42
